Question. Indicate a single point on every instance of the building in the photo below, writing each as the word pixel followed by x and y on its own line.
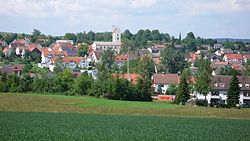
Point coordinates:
pixel 74 62
pixel 13 69
pixel 233 58
pixel 120 60
pixel 162 81
pixel 221 85
pixel 2 43
pixel 115 45
pixel 132 77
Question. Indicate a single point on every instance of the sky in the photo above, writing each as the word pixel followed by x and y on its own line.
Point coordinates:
pixel 205 18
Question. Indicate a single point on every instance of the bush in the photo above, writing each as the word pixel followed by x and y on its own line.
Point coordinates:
pixel 201 102
pixel 222 105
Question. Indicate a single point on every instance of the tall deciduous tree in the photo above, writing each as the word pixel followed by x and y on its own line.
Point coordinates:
pixel 233 92
pixel 107 59
pixel 83 84
pixel 172 61
pixel 83 50
pixel 203 77
pixel 146 67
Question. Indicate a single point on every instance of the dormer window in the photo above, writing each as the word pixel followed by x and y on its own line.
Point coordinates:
pixel 240 85
pixel 216 85
pixel 222 85
pixel 247 85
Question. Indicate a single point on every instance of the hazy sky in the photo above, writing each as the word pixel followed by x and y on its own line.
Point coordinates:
pixel 206 18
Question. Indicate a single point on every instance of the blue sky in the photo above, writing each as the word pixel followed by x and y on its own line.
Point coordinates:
pixel 206 18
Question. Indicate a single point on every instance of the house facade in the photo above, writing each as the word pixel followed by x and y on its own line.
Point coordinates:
pixel 221 85
pixel 233 58
pixel 161 82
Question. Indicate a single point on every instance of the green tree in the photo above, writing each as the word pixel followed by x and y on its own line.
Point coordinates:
pixel 172 61
pixel 203 77
pixel 3 83
pixel 28 67
pixel 70 36
pixel 63 81
pixel 83 84
pixel 190 35
pixel 83 50
pixel 107 59
pixel 127 35
pixel 226 70
pixel 172 89
pixel 36 32
pixel 183 89
pixel 59 67
pixel 35 57
pixel 146 67
pixel 25 83
pixel 143 89
pixel 233 92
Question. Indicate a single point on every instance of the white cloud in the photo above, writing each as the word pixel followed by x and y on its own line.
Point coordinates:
pixel 199 7
pixel 142 3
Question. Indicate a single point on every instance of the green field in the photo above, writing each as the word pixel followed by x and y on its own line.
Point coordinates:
pixel 70 126
pixel 55 117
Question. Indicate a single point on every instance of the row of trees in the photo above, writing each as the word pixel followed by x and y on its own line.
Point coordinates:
pixel 64 83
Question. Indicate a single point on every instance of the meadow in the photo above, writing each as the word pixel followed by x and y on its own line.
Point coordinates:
pixel 90 105
pixel 56 117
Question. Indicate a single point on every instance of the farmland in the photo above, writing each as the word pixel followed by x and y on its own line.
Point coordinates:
pixel 55 117
pixel 73 126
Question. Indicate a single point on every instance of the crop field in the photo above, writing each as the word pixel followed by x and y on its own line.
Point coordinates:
pixel 56 117
pixel 73 126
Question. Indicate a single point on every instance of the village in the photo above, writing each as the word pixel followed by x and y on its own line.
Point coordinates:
pixel 64 54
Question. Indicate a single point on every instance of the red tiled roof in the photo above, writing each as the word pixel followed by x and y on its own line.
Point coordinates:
pixel 247 56
pixel 73 59
pixel 6 50
pixel 165 79
pixel 215 65
pixel 55 58
pixel 121 58
pixel 20 41
pixel 234 56
pixel 159 46
pixel 236 66
pixel 132 76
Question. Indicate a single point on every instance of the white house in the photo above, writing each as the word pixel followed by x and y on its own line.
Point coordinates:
pixel 73 62
pixel 162 81
pixel 221 86
pixel 233 58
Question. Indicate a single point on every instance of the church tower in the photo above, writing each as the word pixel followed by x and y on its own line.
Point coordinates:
pixel 116 35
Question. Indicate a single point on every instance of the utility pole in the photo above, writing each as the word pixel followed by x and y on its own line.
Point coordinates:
pixel 128 66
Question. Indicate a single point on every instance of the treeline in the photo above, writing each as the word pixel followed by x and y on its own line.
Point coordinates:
pixel 141 39
pixel 65 84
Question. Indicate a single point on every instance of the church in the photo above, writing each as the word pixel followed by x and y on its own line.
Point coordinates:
pixel 115 45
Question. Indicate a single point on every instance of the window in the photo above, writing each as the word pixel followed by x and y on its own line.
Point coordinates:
pixel 246 94
pixel 216 85
pixel 222 84
pixel 215 93
pixel 247 85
